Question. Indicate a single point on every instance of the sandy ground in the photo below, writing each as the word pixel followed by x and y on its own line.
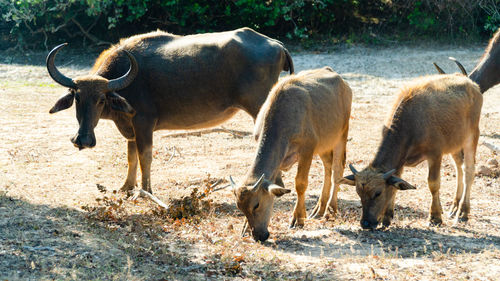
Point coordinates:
pixel 45 182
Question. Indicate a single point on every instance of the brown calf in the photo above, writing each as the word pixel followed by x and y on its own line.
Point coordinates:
pixel 436 115
pixel 304 115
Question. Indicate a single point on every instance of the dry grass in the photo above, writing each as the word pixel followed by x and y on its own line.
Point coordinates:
pixel 55 223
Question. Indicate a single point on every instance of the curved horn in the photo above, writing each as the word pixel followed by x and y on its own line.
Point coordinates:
pixel 389 174
pixel 462 68
pixel 353 170
pixel 439 69
pixel 233 184
pixel 125 80
pixel 258 183
pixel 56 74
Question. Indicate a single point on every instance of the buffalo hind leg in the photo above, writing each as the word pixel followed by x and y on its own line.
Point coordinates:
pixel 319 209
pixel 301 181
pixel 131 181
pixel 469 159
pixel 434 182
pixel 458 158
pixel 339 159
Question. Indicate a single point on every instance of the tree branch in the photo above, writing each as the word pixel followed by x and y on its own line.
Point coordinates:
pixel 92 38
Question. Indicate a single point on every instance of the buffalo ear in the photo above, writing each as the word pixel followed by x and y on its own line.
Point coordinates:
pixel 348 180
pixel 277 190
pixel 64 102
pixel 118 103
pixel 399 183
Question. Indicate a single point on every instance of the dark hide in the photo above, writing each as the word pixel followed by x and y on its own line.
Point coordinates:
pixel 487 72
pixel 183 82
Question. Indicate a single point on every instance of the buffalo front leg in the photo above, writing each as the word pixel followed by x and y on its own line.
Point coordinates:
pixel 301 180
pixel 320 208
pixel 389 212
pixel 131 180
pixel 434 183
pixel 144 140
pixel 279 180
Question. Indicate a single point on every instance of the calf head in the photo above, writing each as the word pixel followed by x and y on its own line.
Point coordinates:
pixel 376 190
pixel 256 202
pixel 92 94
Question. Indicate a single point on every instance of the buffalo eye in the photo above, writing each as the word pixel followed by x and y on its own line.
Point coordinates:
pixel 377 194
pixel 101 101
pixel 256 206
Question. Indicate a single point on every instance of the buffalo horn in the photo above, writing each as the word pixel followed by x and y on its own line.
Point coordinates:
pixel 258 183
pixel 122 82
pixel 439 69
pixel 462 68
pixel 353 170
pixel 389 174
pixel 56 74
pixel 233 184
pixel 245 228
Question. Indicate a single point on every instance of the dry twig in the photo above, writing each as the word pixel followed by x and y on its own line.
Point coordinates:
pixel 235 133
pixel 491 146
pixel 150 196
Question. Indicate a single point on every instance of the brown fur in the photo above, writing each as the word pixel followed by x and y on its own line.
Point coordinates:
pixel 130 43
pixel 433 116
pixel 305 114
pixel 493 43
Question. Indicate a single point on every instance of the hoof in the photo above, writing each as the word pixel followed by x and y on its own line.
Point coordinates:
pixel 462 219
pixel 317 212
pixel 129 193
pixel 386 224
pixel 452 212
pixel 316 215
pixel 296 223
pixel 435 222
pixel 127 188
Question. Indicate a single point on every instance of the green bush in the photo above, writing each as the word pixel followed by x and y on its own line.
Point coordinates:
pixel 43 23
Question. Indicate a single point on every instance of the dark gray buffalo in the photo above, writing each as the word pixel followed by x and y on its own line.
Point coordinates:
pixel 158 81
pixel 487 72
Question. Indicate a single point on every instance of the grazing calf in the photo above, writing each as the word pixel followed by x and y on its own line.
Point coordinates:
pixel 436 115
pixel 305 114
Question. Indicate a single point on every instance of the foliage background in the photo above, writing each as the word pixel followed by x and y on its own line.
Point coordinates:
pixel 38 24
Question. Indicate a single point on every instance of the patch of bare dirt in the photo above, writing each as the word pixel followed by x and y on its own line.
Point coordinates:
pixel 55 223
